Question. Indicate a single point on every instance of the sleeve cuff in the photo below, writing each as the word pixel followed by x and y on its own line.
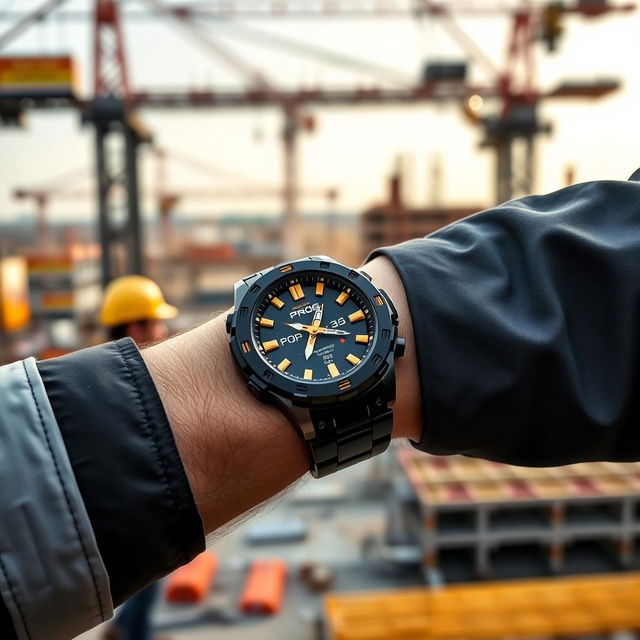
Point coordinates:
pixel 126 463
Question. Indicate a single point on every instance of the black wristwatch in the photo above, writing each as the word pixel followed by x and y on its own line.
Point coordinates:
pixel 318 340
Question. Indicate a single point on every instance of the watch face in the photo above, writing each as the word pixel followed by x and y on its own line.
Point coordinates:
pixel 313 326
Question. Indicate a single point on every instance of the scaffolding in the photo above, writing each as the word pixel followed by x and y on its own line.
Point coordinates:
pixel 478 519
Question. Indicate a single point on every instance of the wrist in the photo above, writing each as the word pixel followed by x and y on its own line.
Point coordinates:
pixel 227 439
pixel 407 410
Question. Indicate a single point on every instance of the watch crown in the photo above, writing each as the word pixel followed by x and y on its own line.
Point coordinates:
pixel 228 322
pixel 399 348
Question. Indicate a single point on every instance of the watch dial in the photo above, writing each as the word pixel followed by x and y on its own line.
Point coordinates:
pixel 313 327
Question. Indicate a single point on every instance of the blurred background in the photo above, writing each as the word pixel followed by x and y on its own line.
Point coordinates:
pixel 198 141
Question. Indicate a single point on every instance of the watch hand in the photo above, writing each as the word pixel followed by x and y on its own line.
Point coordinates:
pixel 297 325
pixel 334 332
pixel 305 327
pixel 311 342
pixel 319 330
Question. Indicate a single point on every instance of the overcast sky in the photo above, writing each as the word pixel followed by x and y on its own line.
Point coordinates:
pixel 353 148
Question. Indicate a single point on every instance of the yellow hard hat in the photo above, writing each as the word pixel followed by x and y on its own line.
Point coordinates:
pixel 134 298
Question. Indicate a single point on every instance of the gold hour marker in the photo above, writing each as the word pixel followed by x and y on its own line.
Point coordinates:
pixel 296 291
pixel 342 298
pixel 246 347
pixel 362 339
pixel 308 374
pixel 265 322
pixel 356 316
pixel 270 345
pixel 352 359
pixel 320 288
pixel 333 370
pixel 379 300
pixel 277 303
pixel 284 364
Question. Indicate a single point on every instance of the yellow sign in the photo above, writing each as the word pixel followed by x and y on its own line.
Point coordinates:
pixel 36 72
pixel 57 301
pixel 43 264
pixel 15 313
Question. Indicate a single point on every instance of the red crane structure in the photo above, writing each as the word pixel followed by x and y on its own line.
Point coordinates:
pixel 112 108
pixel 112 115
pixel 61 186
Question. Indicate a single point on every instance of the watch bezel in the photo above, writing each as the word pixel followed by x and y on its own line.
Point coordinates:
pixel 268 380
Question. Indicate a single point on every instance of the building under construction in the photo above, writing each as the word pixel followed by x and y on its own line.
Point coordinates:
pixel 475 519
pixel 396 221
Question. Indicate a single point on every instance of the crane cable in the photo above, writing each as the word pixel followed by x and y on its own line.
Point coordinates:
pixel 264 38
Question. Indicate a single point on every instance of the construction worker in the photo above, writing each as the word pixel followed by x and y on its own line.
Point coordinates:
pixel 134 307
pixel 522 329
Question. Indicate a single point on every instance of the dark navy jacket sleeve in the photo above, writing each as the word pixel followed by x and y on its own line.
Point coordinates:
pixel 527 327
pixel 126 463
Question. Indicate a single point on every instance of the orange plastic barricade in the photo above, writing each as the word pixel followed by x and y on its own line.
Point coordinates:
pixel 191 582
pixel 264 589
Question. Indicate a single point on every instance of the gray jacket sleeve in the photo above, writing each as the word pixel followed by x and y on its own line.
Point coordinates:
pixel 52 578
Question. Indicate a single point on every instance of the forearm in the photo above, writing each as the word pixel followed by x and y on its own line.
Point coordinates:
pixel 238 451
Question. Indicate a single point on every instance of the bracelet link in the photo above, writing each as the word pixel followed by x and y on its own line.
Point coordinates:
pixel 361 431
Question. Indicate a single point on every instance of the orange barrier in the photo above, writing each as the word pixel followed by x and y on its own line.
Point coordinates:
pixel 191 582
pixel 264 589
